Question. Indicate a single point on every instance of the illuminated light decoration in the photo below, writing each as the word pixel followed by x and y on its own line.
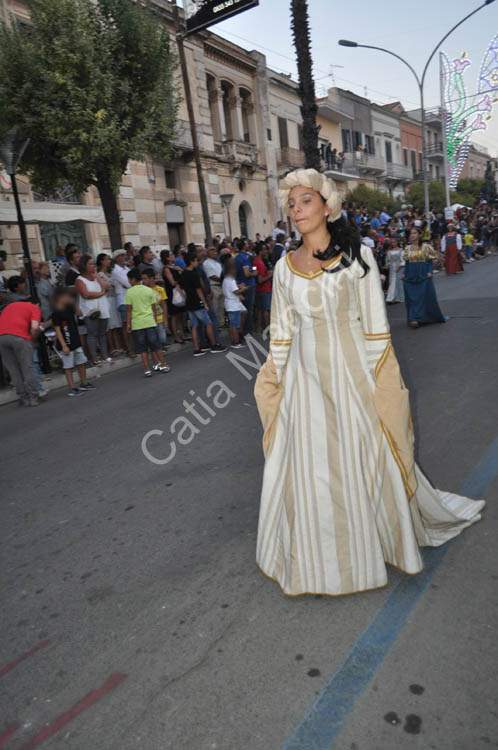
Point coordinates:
pixel 462 118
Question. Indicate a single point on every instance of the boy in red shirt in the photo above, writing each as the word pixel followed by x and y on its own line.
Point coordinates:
pixel 19 325
pixel 263 287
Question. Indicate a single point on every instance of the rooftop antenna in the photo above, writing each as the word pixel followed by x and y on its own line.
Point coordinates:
pixel 332 75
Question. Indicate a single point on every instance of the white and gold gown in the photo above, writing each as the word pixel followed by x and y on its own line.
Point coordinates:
pixel 341 493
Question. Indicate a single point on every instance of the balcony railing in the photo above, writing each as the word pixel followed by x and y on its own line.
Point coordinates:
pixel 399 172
pixel 363 161
pixel 290 157
pixel 239 151
pixel 434 149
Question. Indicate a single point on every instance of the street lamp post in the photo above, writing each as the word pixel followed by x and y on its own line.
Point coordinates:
pixel 420 84
pixel 11 151
pixel 226 200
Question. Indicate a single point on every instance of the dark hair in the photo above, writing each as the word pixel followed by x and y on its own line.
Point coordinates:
pixel 228 263
pixel 84 261
pixel 280 238
pixel 164 255
pixel 191 255
pixel 68 248
pixel 345 239
pixel 100 259
pixel 134 274
pixel 59 292
pixel 149 272
pixel 241 245
pixel 144 249
pixel 71 253
pixel 3 255
pixel 127 245
pixel 13 282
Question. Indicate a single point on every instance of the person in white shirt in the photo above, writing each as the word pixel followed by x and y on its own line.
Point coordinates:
pixel 213 270
pixel 119 280
pixel 279 229
pixel 233 304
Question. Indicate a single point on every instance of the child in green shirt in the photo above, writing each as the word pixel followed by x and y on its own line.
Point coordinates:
pixel 141 322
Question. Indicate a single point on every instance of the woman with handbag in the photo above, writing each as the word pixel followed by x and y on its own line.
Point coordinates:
pixel 176 297
pixel 94 308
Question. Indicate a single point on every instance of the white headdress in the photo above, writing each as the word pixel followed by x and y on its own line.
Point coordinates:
pixel 312 179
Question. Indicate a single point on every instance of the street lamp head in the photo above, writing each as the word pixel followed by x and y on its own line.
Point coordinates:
pixel 349 43
pixel 488 2
pixel 12 149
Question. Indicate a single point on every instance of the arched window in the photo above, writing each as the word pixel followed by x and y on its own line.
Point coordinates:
pixel 245 213
pixel 247 111
pixel 228 91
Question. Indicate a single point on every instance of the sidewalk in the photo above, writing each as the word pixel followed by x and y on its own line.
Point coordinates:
pixel 58 379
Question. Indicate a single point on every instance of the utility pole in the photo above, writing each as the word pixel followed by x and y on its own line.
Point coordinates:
pixel 180 34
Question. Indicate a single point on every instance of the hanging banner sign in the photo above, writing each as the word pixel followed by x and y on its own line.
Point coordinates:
pixel 202 13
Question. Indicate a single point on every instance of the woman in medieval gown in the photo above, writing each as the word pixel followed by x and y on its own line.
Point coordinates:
pixel 395 263
pixel 420 293
pixel 341 494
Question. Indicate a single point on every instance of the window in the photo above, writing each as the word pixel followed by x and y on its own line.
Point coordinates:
pixel 346 140
pixel 268 134
pixel 170 176
pixel 420 161
pixel 369 144
pixel 282 131
pixel 300 138
pixel 405 157
pixel 389 152
pixel 413 155
pixel 357 139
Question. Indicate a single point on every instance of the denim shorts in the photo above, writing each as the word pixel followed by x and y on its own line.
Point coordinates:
pixel 146 338
pixel 122 312
pixel 234 318
pixel 199 316
pixel 263 300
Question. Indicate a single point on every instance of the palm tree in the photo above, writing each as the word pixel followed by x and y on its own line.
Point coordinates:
pixel 301 33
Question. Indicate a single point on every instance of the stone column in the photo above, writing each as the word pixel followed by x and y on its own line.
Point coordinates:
pixel 250 111
pixel 237 124
pixel 218 114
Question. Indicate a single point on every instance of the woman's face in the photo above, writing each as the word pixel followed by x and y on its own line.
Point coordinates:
pixel 90 267
pixel 414 235
pixel 307 209
pixel 106 263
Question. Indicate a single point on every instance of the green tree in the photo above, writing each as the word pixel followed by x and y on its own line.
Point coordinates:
pixel 437 199
pixel 309 108
pixel 469 186
pixel 489 183
pixel 374 200
pixel 91 83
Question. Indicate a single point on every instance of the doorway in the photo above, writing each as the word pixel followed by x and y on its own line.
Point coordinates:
pixel 62 233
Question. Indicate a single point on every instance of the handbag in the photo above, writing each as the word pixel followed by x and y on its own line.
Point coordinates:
pixel 94 314
pixel 179 297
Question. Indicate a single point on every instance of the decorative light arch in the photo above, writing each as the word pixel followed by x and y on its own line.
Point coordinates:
pixel 462 118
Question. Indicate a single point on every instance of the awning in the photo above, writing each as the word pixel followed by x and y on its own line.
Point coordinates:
pixel 50 213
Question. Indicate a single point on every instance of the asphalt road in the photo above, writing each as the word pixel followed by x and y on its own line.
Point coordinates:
pixel 130 587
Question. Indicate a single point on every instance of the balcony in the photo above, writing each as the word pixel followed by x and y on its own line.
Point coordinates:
pixel 435 151
pixel 290 157
pixel 365 163
pixel 398 172
pixel 237 151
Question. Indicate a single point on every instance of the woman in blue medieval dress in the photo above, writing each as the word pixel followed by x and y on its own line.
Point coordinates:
pixel 420 294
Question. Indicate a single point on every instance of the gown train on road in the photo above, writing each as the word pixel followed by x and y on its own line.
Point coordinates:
pixel 341 493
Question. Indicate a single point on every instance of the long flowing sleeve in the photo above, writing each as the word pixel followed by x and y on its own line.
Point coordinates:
pixel 391 397
pixel 268 388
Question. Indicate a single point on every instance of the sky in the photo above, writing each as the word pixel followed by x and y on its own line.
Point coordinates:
pixel 411 29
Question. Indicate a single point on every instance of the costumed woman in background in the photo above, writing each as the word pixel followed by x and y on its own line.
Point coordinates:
pixel 451 247
pixel 341 493
pixel 420 293
pixel 395 263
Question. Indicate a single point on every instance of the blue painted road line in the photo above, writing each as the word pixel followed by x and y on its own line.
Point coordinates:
pixel 326 716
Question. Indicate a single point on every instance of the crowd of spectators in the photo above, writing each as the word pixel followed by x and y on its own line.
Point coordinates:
pixel 132 302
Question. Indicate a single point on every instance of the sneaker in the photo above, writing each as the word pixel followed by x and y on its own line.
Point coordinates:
pixel 148 373
pixel 74 392
pixel 239 346
pixel 42 393
pixel 33 401
pixel 86 387
pixel 161 368
pixel 205 347
pixel 218 349
pixel 97 363
pixel 198 352
pixel 109 360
